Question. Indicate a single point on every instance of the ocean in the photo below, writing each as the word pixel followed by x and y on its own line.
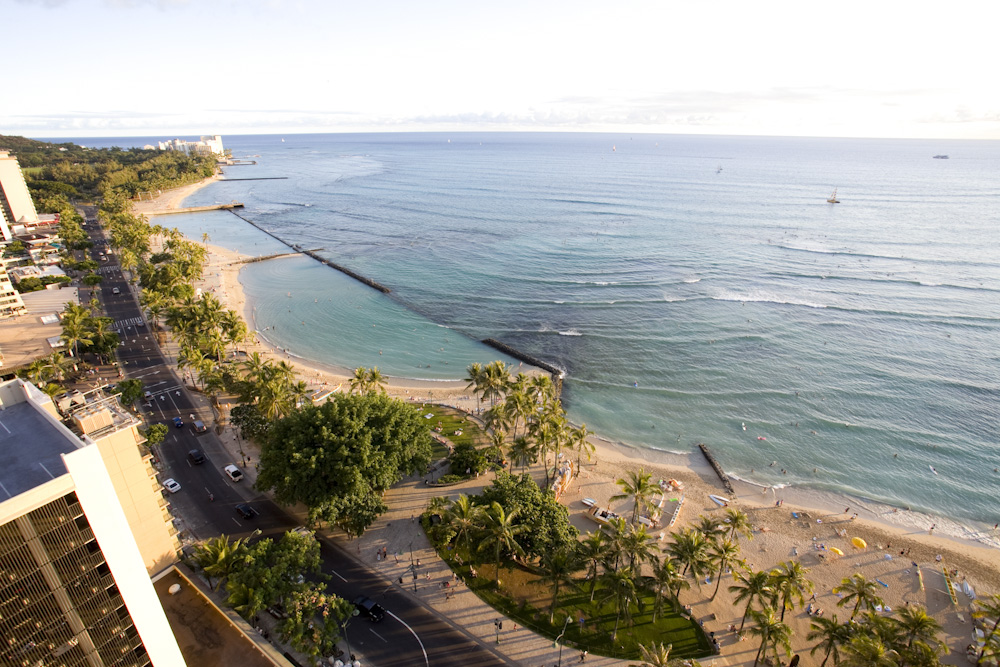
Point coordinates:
pixel 690 286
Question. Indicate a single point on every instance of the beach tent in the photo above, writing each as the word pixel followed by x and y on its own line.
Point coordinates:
pixel 859 543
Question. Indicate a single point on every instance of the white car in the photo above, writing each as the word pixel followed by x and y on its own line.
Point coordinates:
pixel 233 472
pixel 171 485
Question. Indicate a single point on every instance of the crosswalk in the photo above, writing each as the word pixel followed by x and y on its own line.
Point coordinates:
pixel 121 325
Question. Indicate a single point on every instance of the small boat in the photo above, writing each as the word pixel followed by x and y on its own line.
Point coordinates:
pixel 744 425
pixel 719 170
pixel 933 469
pixel 969 590
pixel 602 515
pixel 940 157
pixel 833 198
pixel 760 437
pixel 719 500
pixel 589 502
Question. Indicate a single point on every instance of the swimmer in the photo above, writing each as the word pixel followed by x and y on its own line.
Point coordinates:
pixel 760 437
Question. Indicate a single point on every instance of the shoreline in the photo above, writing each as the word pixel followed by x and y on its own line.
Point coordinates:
pixel 456 394
pixel 778 533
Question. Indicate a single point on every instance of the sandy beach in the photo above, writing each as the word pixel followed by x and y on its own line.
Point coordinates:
pixel 789 523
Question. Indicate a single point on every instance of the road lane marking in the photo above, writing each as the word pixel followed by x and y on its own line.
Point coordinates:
pixel 378 635
pixel 426 660
pixel 338 574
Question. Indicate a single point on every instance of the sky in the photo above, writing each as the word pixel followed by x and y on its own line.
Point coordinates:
pixel 879 68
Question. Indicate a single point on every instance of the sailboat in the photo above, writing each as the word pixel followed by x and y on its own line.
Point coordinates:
pixel 833 198
pixel 719 170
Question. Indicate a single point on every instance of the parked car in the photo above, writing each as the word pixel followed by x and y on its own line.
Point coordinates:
pixel 178 422
pixel 233 472
pixel 246 511
pixel 199 427
pixel 115 290
pixel 171 485
pixel 370 609
pixel 196 457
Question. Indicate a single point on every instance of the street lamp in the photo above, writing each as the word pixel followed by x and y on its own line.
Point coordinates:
pixel 559 638
pixel 413 568
pixel 498 624
pixel 343 628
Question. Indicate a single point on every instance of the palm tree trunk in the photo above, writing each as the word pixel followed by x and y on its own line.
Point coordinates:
pixel 745 612
pixel 718 582
pixel 784 606
pixel 826 657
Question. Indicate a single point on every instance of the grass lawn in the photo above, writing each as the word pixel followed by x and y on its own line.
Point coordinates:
pixel 450 421
pixel 526 600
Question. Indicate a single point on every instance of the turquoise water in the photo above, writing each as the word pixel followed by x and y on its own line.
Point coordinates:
pixel 860 339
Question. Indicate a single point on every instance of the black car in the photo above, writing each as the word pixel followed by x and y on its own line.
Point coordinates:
pixel 196 457
pixel 246 511
pixel 370 609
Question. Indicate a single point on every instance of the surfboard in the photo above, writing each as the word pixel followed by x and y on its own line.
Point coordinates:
pixel 719 500
pixel 969 590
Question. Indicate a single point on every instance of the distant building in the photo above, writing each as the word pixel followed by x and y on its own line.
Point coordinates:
pixel 208 145
pixel 10 299
pixel 16 206
pixel 83 525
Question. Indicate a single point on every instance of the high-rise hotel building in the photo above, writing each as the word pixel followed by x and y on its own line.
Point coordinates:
pixel 15 200
pixel 83 526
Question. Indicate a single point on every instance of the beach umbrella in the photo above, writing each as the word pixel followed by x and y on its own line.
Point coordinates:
pixel 837 551
pixel 859 543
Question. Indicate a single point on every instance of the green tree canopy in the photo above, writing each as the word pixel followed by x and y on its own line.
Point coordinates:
pixel 338 458
pixel 131 390
pixel 546 520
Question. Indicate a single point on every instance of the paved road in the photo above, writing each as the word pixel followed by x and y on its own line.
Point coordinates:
pixel 410 634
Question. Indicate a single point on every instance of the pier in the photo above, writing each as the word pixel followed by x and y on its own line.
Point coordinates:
pixel 264 258
pixel 312 253
pixel 526 358
pixel 257 178
pixel 717 468
pixel 199 209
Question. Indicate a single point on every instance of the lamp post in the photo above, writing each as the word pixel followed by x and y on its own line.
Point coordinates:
pixel 413 568
pixel 343 628
pixel 559 638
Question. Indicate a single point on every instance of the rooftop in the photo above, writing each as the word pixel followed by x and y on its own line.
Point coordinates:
pixel 31 449
pixel 205 634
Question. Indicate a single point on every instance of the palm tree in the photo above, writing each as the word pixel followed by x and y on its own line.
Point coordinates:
pixel 988 607
pixel 867 651
pixel 592 551
pixel 638 547
pixel 376 381
pixel 617 542
pixel 218 557
pixel 711 527
pixel 497 378
pixel 621 589
pixel 752 587
pixel 522 452
pixel 917 625
pixel 656 655
pixel 665 578
pixel 724 554
pixel 738 522
pixel 690 548
pixel 359 381
pixel 36 372
pixel 790 584
pixel 465 517
pixel 578 441
pixel 885 628
pixel 476 381
pixel 558 568
pixel 638 486
pixel 75 327
pixel 501 534
pixel 773 634
pixel 57 365
pixel 832 636
pixel 860 590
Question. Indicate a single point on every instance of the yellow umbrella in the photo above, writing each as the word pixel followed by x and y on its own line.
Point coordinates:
pixel 837 551
pixel 859 543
